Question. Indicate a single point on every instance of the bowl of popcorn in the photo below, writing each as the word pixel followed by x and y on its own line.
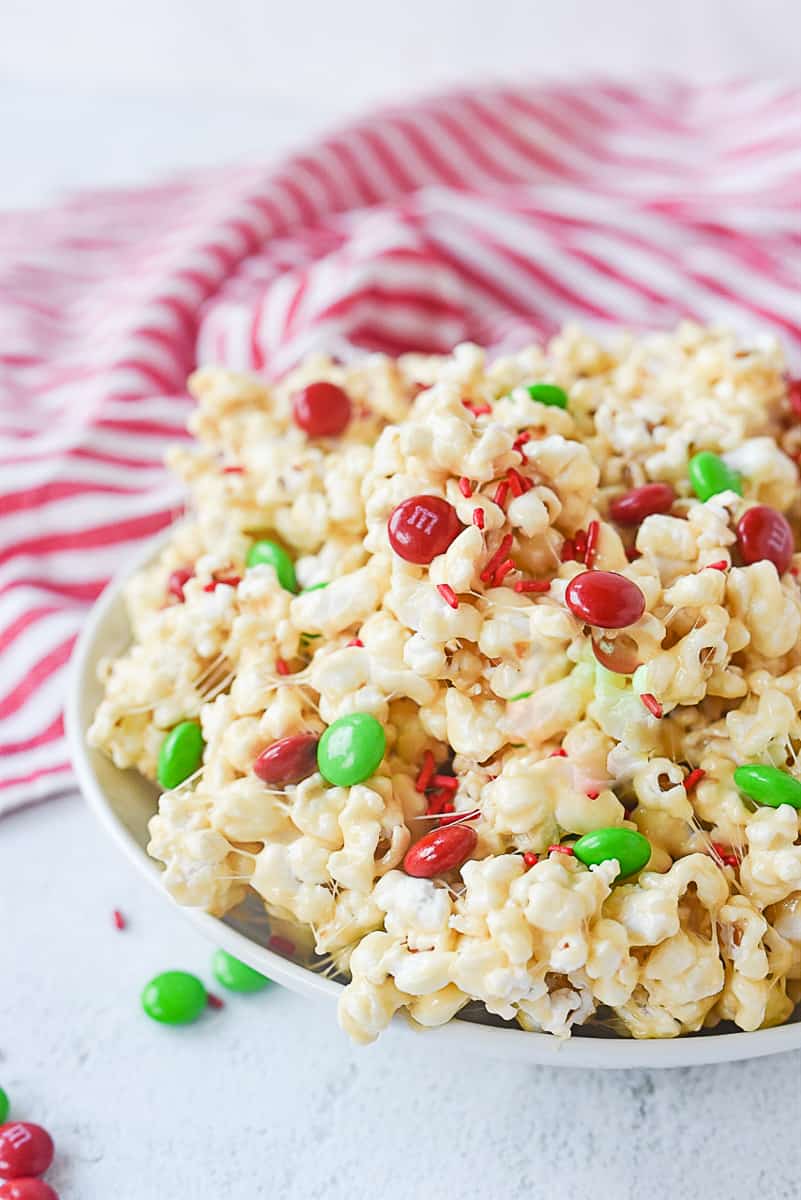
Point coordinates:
pixel 467 693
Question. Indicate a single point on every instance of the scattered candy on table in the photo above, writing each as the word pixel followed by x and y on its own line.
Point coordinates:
pixel 265 551
pixel 321 409
pixel 25 1149
pixel 631 849
pixel 350 749
pixel 235 975
pixel 27 1189
pixel 174 998
pixel 768 785
pixel 180 755
pixel 289 760
pixel 710 475
pixel 605 599
pixel 422 527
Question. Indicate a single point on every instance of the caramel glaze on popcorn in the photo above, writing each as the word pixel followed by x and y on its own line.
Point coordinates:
pixel 500 691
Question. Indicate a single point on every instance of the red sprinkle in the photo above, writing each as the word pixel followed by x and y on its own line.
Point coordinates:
pixel 449 782
pixel 478 517
pixel 517 482
pixel 632 554
pixel 465 486
pixel 281 945
pixel 355 642
pixel 568 552
pixel 119 919
pixel 214 1001
pixel 227 580
pixel 478 410
pixel 560 849
pixel 281 666
pixel 533 585
pixel 497 558
pixel 693 778
pixel 436 802
pixel 501 492
pixel 720 565
pixel 502 571
pixel 234 470
pixel 448 807
pixel 426 773
pixel 794 396
pixel 593 533
pixel 177 580
pixel 560 753
pixel 580 543
pixel 593 795
pixel 448 594
pixel 530 859
pixel 652 704
pixel 521 440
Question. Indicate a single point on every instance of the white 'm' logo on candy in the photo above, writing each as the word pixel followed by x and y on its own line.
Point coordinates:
pixel 17 1135
pixel 423 519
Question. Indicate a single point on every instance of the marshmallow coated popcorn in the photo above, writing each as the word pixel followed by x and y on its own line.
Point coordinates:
pixel 536 718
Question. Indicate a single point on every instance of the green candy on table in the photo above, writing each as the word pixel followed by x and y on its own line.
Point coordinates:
pixel 768 785
pixel 4 1107
pixel 235 975
pixel 629 847
pixel 548 393
pixel 174 998
pixel 265 551
pixel 710 475
pixel 180 755
pixel 350 749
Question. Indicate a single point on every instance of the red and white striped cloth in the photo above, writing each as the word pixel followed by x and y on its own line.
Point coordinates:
pixel 493 216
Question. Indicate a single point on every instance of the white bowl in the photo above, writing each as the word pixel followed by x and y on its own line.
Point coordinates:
pixel 123 802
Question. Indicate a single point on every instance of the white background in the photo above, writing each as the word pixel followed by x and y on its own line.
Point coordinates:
pixel 266 1099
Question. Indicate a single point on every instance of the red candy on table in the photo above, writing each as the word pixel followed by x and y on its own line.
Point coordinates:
pixel 605 599
pixel 422 527
pixel 25 1149
pixel 642 502
pixel 765 533
pixel 288 760
pixel 439 851
pixel 176 581
pixel 321 409
pixel 27 1189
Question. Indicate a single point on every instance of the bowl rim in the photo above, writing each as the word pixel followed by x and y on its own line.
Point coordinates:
pixel 497 1041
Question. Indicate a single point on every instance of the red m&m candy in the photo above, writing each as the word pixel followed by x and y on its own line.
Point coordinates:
pixel 641 502
pixel 288 760
pixel 321 409
pixel 422 527
pixel 764 533
pixel 439 851
pixel 27 1189
pixel 605 599
pixel 25 1149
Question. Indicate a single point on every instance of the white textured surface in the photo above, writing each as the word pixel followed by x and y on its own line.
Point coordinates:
pixel 267 1099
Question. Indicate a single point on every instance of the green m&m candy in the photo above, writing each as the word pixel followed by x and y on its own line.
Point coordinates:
pixel 710 475
pixel 235 975
pixel 629 847
pixel 350 749
pixel 180 755
pixel 266 551
pixel 174 998
pixel 4 1107
pixel 768 785
pixel 548 393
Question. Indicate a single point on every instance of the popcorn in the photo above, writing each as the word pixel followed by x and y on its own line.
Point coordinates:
pixel 501 692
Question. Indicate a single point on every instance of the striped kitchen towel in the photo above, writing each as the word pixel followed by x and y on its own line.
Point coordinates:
pixel 493 216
